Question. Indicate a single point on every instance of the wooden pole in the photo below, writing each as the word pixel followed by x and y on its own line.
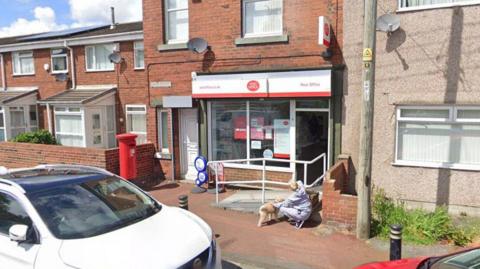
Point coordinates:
pixel 366 121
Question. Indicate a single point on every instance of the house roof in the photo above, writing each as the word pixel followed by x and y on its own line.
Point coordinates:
pixel 74 33
pixel 10 96
pixel 80 97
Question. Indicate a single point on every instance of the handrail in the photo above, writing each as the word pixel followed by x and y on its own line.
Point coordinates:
pixel 264 181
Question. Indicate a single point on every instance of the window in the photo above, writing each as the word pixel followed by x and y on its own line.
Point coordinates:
pixel 33 118
pixel 97 57
pixel 139 55
pixel 111 130
pixel 12 213
pixel 439 136
pixel 23 63
pixel 59 61
pixel 433 3
pixel 137 122
pixel 162 118
pixel 69 126
pixel 2 124
pixel 262 17
pixel 18 124
pixel 176 21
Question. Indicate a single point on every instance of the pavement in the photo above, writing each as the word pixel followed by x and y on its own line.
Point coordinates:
pixel 278 245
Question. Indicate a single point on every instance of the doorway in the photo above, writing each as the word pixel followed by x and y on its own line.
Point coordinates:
pixel 189 144
pixel 311 141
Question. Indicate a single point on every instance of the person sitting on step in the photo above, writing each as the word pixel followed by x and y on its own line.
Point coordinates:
pixel 297 207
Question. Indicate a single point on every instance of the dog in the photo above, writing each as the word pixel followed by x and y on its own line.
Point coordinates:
pixel 267 211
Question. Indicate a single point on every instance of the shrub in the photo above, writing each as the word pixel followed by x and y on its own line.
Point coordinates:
pixel 38 137
pixel 419 226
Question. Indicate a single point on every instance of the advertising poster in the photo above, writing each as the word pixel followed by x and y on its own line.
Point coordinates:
pixel 281 139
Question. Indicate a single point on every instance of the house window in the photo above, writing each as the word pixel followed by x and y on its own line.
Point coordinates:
pixel 139 55
pixel 18 124
pixel 439 136
pixel 2 124
pixel 262 17
pixel 69 129
pixel 97 57
pixel 59 61
pixel 433 3
pixel 162 118
pixel 111 129
pixel 137 122
pixel 33 118
pixel 176 21
pixel 23 63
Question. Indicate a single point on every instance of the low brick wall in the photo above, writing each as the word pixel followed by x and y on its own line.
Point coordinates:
pixel 244 174
pixel 339 208
pixel 20 155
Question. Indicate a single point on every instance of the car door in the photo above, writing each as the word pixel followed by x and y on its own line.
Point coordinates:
pixel 13 254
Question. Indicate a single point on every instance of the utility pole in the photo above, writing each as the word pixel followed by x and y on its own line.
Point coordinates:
pixel 363 179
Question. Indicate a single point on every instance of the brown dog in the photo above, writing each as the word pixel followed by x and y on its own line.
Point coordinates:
pixel 269 211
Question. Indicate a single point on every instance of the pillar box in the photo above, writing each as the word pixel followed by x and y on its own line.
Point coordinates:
pixel 128 155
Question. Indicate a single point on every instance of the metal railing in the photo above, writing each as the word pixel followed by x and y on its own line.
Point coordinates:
pixel 264 181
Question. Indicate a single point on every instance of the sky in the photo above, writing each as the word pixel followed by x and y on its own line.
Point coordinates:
pixel 21 17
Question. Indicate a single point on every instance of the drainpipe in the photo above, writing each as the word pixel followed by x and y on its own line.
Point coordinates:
pixel 72 64
pixel 2 66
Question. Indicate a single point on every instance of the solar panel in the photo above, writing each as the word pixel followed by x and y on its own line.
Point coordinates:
pixel 60 33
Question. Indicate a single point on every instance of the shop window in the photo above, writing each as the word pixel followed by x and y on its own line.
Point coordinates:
pixel 23 63
pixel 2 124
pixel 139 55
pixel 262 17
pixel 18 124
pixel 137 122
pixel 97 57
pixel 59 61
pixel 69 126
pixel 433 3
pixel 439 136
pixel 162 118
pixel 176 21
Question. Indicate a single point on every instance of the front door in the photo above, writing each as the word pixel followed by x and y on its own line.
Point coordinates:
pixel 96 125
pixel 188 143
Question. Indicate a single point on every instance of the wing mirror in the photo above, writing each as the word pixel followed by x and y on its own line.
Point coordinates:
pixel 18 233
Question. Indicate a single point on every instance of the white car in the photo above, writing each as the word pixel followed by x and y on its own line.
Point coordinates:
pixel 66 217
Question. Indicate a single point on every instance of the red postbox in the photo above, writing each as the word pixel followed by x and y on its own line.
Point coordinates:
pixel 128 155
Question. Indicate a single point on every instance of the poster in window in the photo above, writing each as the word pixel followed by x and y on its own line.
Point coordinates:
pixel 240 128
pixel 256 128
pixel 281 139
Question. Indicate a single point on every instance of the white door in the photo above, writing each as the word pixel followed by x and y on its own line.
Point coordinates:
pixel 13 254
pixel 96 123
pixel 189 143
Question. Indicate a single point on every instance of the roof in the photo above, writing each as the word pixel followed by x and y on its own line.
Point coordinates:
pixel 77 96
pixel 10 96
pixel 74 33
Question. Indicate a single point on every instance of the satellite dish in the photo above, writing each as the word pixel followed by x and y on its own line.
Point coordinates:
pixel 115 58
pixel 388 23
pixel 198 45
pixel 61 77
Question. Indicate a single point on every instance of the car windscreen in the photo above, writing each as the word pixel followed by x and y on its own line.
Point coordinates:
pixel 469 259
pixel 92 207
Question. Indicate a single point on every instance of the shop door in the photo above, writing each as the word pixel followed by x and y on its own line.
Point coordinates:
pixel 311 141
pixel 188 143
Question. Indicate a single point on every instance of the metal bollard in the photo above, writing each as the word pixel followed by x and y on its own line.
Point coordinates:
pixel 183 202
pixel 395 242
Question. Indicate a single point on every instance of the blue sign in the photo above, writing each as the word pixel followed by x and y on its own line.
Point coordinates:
pixel 200 163
pixel 202 178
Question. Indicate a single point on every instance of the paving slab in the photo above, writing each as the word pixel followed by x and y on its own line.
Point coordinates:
pixel 250 200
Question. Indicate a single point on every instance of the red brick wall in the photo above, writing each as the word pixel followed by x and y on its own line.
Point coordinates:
pixel 338 207
pixel 20 155
pixel 239 174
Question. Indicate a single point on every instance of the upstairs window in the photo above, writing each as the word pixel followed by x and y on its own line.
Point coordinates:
pixel 23 63
pixel 97 57
pixel 139 55
pixel 59 61
pixel 433 3
pixel 262 17
pixel 176 21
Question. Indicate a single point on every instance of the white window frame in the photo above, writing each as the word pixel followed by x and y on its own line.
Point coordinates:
pixel 434 6
pixel 115 48
pixel 163 149
pixel 71 110
pixel 144 112
pixel 4 128
pixel 244 22
pixel 16 60
pixel 452 119
pixel 167 23
pixel 61 55
pixel 135 57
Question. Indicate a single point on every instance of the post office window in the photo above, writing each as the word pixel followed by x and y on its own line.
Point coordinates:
pixel 59 61
pixel 262 17
pixel 97 57
pixel 23 63
pixel 11 212
pixel 137 122
pixel 176 21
